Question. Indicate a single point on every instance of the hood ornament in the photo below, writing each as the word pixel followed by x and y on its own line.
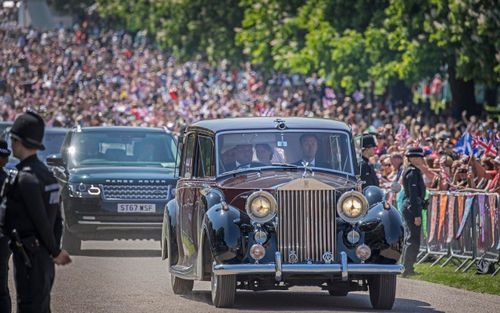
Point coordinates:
pixel 307 169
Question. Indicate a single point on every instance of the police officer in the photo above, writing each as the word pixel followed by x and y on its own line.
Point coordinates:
pixel 414 193
pixel 368 174
pixel 33 218
pixel 5 303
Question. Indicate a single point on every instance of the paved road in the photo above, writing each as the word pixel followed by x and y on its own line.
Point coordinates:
pixel 132 278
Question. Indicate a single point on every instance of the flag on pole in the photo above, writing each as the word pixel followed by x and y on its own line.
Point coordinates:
pixel 484 145
pixel 464 145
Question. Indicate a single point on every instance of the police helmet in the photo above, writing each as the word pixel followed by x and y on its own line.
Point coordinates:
pixel 29 128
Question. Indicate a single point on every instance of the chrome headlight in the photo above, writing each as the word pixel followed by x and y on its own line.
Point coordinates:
pixel 261 206
pixel 84 190
pixel 352 206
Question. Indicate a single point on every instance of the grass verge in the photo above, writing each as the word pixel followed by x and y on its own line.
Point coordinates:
pixel 469 280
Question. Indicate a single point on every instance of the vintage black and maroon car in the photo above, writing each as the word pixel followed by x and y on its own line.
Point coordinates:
pixel 249 220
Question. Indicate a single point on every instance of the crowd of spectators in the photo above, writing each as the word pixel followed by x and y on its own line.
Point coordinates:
pixel 93 75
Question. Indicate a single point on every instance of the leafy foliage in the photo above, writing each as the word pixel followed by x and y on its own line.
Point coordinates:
pixel 351 43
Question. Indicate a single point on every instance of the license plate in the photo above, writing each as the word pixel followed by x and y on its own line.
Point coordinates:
pixel 136 207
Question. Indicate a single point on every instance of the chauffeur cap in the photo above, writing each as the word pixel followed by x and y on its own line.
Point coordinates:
pixel 29 128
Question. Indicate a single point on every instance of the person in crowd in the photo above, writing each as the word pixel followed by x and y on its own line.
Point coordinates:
pixel 397 162
pixel 493 176
pixel 33 218
pixel 264 153
pixel 5 301
pixel 385 171
pixel 381 148
pixel 413 200
pixel 368 175
pixel 309 148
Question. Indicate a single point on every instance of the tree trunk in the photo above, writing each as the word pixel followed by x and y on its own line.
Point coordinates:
pixel 462 93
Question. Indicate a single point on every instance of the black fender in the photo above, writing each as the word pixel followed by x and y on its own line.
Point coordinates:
pixel 221 226
pixel 384 232
pixel 223 234
pixel 169 231
pixel 391 220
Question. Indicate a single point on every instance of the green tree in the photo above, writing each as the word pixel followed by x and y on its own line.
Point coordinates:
pixel 190 28
pixel 358 43
pixel 461 35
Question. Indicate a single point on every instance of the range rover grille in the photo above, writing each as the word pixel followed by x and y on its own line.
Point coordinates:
pixel 136 192
pixel 306 221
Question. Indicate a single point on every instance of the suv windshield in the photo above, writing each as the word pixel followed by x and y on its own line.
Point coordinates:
pixel 125 148
pixel 327 150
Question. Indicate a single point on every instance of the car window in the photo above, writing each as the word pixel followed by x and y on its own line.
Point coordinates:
pixel 52 143
pixel 327 150
pixel 206 150
pixel 125 148
pixel 187 167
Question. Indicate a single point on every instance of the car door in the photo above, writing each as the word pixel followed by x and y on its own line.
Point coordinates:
pixel 197 172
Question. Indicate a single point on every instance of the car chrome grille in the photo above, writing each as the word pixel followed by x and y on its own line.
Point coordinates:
pixel 136 192
pixel 306 213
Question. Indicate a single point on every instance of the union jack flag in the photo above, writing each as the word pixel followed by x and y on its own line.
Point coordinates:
pixel 484 145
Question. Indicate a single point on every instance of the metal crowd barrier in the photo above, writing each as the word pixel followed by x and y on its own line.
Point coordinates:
pixel 461 226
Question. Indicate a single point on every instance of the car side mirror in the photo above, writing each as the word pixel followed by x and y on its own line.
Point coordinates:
pixel 54 160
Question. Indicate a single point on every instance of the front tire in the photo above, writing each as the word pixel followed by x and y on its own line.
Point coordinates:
pixel 181 286
pixel 223 290
pixel 382 291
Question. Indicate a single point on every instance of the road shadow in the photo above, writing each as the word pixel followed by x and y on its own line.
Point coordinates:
pixel 294 301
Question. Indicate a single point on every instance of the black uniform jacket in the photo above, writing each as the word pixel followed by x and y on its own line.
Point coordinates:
pixel 368 174
pixel 33 207
pixel 414 190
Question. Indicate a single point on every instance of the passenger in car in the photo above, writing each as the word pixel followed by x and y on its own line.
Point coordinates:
pixel 309 147
pixel 89 149
pixel 228 159
pixel 145 151
pixel 264 153
pixel 243 155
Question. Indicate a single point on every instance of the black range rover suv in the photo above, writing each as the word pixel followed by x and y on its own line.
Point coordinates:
pixel 115 182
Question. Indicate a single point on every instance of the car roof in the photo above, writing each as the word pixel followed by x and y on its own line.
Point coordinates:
pixel 262 123
pixel 54 130
pixel 139 129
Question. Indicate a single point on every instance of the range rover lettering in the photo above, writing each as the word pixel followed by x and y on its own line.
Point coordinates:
pixel 265 203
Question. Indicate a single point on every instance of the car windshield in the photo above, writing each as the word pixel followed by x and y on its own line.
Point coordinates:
pixel 122 148
pixel 325 150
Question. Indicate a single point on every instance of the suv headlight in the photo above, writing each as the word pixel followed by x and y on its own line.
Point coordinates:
pixel 261 206
pixel 352 206
pixel 81 190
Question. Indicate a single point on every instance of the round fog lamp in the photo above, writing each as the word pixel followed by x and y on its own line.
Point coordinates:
pixel 257 252
pixel 260 236
pixel 353 237
pixel 363 252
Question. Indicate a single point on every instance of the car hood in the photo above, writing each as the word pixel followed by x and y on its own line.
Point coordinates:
pixel 273 179
pixel 122 172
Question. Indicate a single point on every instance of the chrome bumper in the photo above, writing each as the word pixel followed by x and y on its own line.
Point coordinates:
pixel 277 268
